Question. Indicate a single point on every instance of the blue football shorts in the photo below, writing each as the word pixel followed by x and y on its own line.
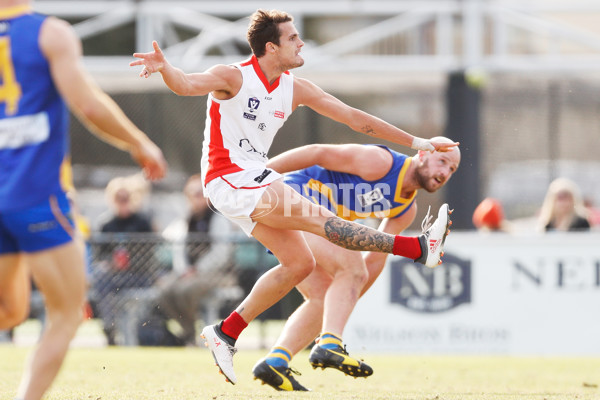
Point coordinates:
pixel 46 225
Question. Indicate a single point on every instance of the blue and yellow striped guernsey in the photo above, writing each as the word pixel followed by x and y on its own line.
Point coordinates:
pixel 351 197
pixel 33 117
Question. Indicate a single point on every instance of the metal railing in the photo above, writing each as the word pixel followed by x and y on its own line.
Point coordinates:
pixel 368 35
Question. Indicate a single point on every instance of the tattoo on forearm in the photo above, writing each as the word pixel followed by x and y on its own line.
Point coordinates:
pixel 353 236
pixel 369 130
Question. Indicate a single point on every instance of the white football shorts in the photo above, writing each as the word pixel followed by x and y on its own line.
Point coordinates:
pixel 237 195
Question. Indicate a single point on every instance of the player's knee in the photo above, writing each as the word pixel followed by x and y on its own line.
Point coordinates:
pixel 12 316
pixel 361 275
pixel 303 266
pixel 358 272
pixel 68 319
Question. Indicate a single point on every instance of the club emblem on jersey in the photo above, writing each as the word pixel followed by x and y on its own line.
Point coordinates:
pixel 253 104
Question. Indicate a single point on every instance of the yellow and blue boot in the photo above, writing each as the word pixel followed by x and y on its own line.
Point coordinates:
pixel 330 352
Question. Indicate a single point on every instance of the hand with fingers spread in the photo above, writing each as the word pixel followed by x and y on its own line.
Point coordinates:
pixel 153 61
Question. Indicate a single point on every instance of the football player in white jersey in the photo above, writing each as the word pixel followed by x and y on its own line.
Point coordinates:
pixel 254 97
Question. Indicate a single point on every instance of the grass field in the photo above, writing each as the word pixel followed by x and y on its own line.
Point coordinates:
pixel 130 373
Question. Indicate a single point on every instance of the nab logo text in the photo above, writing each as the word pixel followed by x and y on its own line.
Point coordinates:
pixel 431 290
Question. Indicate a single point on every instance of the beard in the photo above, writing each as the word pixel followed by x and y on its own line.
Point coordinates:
pixel 426 181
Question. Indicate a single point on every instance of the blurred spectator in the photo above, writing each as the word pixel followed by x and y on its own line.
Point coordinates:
pixel 593 212
pixel 122 261
pixel 208 251
pixel 125 196
pixel 563 208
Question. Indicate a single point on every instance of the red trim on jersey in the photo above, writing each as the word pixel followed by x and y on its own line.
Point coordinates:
pixel 243 187
pixel 254 62
pixel 219 162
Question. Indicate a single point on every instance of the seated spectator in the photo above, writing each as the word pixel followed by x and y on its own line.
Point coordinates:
pixel 563 208
pixel 208 263
pixel 122 261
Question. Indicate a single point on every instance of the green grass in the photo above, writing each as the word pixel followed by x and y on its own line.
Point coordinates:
pixel 130 373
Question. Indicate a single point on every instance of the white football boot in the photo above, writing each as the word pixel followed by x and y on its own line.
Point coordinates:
pixel 433 237
pixel 221 351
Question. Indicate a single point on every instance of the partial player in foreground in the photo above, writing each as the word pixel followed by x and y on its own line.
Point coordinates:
pixel 42 74
pixel 354 182
pixel 247 104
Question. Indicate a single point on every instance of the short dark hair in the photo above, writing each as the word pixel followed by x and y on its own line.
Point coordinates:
pixel 264 28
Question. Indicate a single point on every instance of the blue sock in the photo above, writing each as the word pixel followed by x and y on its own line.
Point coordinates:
pixel 330 341
pixel 279 357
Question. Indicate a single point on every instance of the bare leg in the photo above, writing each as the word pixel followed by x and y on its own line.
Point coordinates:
pixel 330 293
pixel 15 288
pixel 297 263
pixel 304 324
pixel 59 273
pixel 289 210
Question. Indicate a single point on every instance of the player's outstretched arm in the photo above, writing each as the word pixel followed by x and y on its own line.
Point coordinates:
pixel 308 94
pixel 95 109
pixel 220 78
pixel 368 162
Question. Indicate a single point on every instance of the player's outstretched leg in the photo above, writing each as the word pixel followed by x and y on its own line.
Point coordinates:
pixel 222 348
pixel 433 237
pixel 330 352
pixel 279 377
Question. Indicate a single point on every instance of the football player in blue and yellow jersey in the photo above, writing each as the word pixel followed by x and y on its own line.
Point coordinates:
pixel 41 77
pixel 354 182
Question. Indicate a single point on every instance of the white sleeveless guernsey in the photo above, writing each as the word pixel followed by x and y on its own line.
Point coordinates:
pixel 239 131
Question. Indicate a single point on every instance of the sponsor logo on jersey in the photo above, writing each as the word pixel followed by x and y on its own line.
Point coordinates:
pixel 262 126
pixel 370 198
pixel 279 114
pixel 262 176
pixel 249 148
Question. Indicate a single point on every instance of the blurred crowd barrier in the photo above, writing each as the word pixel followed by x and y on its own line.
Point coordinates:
pixel 130 273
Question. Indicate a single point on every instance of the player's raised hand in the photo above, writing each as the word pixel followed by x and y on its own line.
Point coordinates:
pixel 438 143
pixel 153 61
pixel 443 146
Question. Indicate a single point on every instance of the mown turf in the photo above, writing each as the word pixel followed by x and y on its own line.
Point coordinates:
pixel 121 373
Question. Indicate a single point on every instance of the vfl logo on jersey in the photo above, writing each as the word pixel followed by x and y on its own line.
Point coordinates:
pixel 430 290
pixel 370 198
pixel 251 108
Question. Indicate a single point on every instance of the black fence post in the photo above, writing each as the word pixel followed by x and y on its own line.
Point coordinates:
pixel 462 125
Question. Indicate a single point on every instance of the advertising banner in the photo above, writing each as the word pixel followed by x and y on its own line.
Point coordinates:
pixel 494 293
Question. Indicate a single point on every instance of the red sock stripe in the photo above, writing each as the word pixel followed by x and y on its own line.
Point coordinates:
pixel 407 247
pixel 233 325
